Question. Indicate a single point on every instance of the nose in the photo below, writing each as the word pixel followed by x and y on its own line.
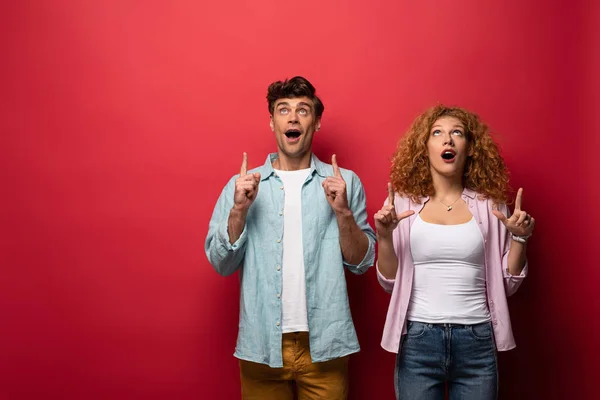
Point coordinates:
pixel 448 140
pixel 292 118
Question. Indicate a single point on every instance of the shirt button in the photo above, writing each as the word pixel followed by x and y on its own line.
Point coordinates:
pixel 278 240
pixel 277 323
pixel 281 187
pixel 278 295
pixel 278 269
pixel 280 213
pixel 495 323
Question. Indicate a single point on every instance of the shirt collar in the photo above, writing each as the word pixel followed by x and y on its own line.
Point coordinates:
pixel 266 170
pixel 466 192
pixel 469 193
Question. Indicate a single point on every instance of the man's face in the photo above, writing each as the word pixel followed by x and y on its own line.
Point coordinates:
pixel 294 123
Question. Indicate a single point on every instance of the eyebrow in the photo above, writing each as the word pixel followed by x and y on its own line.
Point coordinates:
pixel 300 104
pixel 454 127
pixel 305 105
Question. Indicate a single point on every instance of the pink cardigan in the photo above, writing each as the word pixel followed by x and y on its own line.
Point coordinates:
pixel 499 282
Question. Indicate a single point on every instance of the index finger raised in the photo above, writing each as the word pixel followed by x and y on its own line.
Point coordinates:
pixel 519 199
pixel 336 168
pixel 390 194
pixel 244 169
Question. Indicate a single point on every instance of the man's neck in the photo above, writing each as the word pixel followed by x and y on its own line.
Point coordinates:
pixel 284 163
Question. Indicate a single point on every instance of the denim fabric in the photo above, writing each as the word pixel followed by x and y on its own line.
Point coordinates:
pixel 258 253
pixel 463 356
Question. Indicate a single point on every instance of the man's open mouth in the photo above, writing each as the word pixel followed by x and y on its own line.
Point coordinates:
pixel 292 133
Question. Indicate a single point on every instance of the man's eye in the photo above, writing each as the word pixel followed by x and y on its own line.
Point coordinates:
pixel 283 111
pixel 302 111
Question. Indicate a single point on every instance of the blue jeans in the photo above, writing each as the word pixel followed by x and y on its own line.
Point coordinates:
pixel 461 356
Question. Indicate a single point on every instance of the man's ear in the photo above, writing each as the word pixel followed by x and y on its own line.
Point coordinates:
pixel 318 125
pixel 271 124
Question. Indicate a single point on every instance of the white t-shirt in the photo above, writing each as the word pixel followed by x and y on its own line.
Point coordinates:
pixel 449 281
pixel 293 296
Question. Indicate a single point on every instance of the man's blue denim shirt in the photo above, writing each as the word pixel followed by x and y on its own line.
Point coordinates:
pixel 258 254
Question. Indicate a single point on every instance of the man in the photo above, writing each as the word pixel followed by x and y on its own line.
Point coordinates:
pixel 290 227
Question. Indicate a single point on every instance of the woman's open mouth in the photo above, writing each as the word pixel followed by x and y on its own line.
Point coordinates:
pixel 448 156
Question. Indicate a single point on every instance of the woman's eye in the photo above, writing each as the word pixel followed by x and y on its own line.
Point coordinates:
pixel 457 132
pixel 436 132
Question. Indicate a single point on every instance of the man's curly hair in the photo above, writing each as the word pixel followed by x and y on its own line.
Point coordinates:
pixel 485 170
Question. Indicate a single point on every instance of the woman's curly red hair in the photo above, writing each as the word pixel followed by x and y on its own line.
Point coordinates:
pixel 485 171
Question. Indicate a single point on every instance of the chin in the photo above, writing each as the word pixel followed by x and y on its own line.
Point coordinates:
pixel 448 173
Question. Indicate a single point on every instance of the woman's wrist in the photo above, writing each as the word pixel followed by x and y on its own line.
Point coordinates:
pixel 520 239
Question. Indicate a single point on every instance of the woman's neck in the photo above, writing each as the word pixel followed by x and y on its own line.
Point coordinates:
pixel 446 189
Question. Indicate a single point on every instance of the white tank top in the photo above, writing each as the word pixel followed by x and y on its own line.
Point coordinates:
pixel 449 281
pixel 294 317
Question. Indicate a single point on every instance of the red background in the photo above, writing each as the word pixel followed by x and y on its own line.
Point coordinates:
pixel 122 120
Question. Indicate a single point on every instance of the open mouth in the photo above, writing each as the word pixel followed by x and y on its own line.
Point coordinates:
pixel 448 155
pixel 292 133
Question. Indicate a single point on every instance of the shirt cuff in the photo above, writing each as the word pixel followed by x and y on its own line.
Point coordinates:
pixel 224 238
pixel 367 260
pixel 387 284
pixel 522 275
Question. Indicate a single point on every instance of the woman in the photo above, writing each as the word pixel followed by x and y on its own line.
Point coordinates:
pixel 450 254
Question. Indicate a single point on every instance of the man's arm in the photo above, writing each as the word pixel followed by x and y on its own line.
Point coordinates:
pixel 225 244
pixel 357 239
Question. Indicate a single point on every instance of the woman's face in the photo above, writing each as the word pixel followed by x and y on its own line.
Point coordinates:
pixel 448 147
